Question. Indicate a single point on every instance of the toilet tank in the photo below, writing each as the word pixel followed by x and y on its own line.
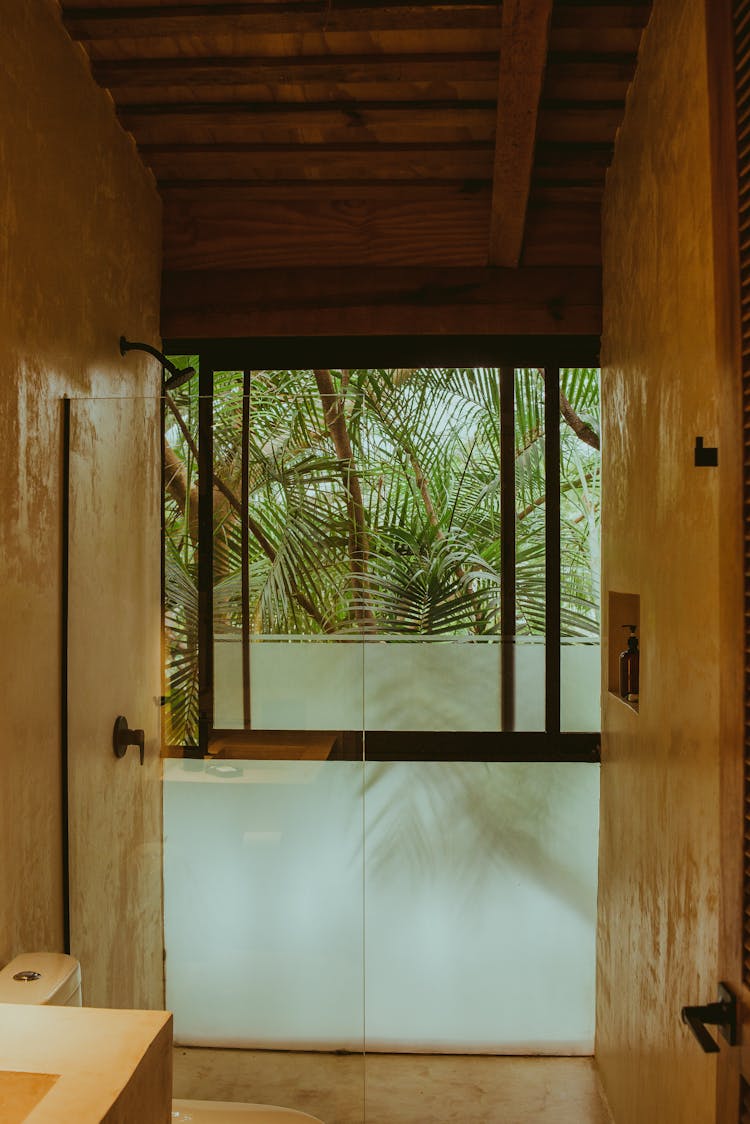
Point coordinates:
pixel 42 978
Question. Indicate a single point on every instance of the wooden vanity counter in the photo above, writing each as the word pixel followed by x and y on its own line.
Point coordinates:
pixel 82 1065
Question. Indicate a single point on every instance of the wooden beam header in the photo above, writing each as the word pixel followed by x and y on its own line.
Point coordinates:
pixel 381 302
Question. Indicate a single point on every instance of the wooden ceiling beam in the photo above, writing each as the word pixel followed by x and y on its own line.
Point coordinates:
pixel 449 94
pixel 205 162
pixel 408 69
pixel 216 20
pixel 246 193
pixel 309 123
pixel 524 46
pixel 354 301
pixel 556 165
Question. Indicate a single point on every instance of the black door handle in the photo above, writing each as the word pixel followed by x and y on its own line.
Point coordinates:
pixel 722 1014
pixel 122 737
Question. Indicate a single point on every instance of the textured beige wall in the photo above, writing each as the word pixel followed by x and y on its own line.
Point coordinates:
pixel 79 258
pixel 659 844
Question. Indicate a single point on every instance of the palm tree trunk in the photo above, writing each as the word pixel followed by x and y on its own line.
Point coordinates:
pixel 359 542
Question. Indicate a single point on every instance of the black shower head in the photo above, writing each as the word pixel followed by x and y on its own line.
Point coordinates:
pixel 177 376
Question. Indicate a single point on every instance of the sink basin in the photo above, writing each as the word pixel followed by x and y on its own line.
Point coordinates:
pixel 21 1092
pixel 84 1065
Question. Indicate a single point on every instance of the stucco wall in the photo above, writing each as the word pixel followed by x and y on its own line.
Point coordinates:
pixel 659 844
pixel 79 257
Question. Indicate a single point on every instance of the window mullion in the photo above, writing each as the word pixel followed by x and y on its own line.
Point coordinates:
pixel 507 547
pixel 205 555
pixel 552 548
pixel 245 549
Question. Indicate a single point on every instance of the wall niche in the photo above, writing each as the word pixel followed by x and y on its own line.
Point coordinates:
pixel 623 609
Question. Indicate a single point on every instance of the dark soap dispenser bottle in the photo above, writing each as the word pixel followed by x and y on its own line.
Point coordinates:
pixel 629 666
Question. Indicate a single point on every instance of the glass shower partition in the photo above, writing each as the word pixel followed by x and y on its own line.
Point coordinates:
pixel 345 841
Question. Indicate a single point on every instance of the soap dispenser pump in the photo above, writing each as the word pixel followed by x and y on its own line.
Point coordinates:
pixel 629 666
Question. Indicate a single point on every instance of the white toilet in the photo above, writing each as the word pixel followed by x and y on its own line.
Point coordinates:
pixel 54 978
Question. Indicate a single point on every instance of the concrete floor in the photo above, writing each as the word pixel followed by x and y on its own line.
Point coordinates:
pixel 398 1088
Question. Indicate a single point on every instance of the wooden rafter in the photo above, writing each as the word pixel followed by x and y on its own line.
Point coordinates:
pixel 523 56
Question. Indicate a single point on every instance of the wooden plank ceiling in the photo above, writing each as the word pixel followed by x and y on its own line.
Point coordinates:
pixel 320 157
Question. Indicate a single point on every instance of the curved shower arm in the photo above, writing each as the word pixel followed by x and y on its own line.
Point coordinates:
pixel 177 376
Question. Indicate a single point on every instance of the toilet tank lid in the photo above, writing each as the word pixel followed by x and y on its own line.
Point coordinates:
pixel 59 977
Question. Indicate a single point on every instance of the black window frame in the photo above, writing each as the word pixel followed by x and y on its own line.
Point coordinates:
pixel 503 352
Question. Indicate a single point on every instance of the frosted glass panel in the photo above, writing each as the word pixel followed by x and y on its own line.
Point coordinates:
pixel 432 685
pixel 228 690
pixel 309 684
pixel 263 903
pixel 529 683
pixel 479 905
pixel 580 685
pixel 396 684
